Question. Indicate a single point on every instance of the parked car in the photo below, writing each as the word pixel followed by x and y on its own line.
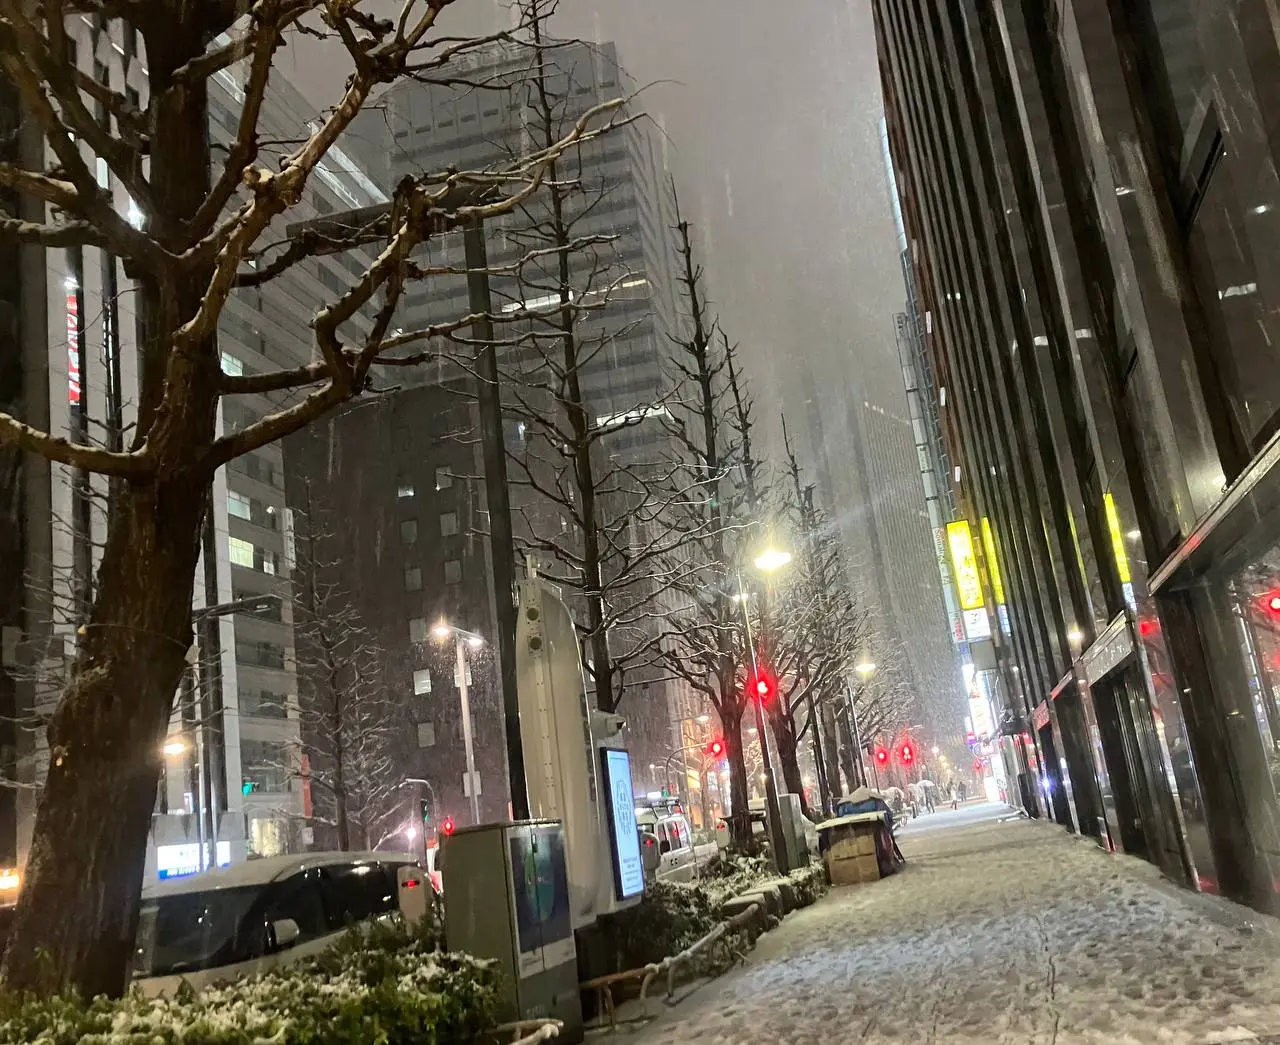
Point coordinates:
pixel 678 862
pixel 250 917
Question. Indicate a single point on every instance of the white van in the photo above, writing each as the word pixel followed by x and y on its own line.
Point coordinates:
pixel 248 918
pixel 677 861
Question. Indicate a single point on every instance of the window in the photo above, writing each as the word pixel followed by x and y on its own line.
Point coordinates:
pixel 426 734
pixel 241 552
pixel 404 490
pixel 231 365
pixel 421 682
pixel 299 898
pixel 444 478
pixel 361 891
pixel 448 523
pixel 417 629
pixel 409 531
pixel 453 572
pixel 413 578
pixel 238 505
pixel 455 674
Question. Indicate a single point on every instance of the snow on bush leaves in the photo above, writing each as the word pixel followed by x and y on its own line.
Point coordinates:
pixel 377 986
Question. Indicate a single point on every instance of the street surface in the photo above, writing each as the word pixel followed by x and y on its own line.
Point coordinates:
pixel 998 932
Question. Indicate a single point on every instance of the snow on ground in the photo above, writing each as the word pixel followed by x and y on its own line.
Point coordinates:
pixel 997 932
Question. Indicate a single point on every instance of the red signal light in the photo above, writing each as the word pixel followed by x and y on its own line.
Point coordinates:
pixel 907 754
pixel 761 685
pixel 882 757
pixel 978 765
pixel 1273 602
pixel 716 748
pixel 448 826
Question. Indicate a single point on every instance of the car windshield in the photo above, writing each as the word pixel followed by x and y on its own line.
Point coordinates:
pixel 187 932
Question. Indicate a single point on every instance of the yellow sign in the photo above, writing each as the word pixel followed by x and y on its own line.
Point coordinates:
pixel 993 567
pixel 1117 538
pixel 965 565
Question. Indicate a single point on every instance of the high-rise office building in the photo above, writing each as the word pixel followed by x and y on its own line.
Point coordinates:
pixel 71 334
pixel 1090 195
pixel 485 111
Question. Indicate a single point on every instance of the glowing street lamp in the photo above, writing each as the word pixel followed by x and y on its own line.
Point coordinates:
pixel 772 559
pixel 174 748
pixel 865 669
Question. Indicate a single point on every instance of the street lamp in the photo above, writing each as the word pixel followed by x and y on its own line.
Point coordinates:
pixel 866 668
pixel 463 638
pixel 767 561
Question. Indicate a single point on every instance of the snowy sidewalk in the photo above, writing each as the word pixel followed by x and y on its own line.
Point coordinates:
pixel 997 932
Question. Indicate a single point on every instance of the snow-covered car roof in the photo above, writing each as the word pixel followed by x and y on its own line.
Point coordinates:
pixel 267 869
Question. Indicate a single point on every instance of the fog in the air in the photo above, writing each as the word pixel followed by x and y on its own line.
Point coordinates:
pixel 772 117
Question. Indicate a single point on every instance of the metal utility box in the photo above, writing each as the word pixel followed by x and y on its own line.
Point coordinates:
pixel 792 821
pixel 508 900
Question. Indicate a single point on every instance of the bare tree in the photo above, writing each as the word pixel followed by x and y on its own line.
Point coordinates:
pixel 205 226
pixel 593 513
pixel 353 729
pixel 818 633
pixel 711 427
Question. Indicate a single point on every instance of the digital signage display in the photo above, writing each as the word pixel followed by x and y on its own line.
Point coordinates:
pixel 628 867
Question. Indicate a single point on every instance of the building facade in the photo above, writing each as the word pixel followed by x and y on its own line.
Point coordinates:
pixel 393 489
pixel 486 112
pixel 1090 194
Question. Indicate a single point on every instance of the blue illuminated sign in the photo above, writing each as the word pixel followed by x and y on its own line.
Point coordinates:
pixel 628 867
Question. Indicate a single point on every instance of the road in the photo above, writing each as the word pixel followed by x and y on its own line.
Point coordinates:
pixel 998 932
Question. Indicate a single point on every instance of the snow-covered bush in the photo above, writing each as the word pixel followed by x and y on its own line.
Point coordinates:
pixel 671 916
pixel 380 984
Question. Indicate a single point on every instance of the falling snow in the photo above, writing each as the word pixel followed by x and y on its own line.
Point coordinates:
pixel 998 932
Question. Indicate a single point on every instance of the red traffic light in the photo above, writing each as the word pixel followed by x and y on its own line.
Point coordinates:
pixel 1271 602
pixel 907 753
pixel 448 825
pixel 761 685
pixel 979 765
pixel 716 748
pixel 882 757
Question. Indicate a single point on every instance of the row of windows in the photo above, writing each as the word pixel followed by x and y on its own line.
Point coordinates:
pixel 242 506
pixel 251 557
pixel 260 654
pixel 444 479
pixel 422 676
pixel 413 575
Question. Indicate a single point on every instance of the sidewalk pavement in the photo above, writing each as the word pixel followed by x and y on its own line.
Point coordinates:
pixel 997 931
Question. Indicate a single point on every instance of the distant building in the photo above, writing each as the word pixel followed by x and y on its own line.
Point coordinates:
pixel 396 488
pixel 625 207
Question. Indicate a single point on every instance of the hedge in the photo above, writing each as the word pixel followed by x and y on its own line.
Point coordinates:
pixel 380 985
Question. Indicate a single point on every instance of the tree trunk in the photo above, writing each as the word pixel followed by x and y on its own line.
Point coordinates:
pixel 77 917
pixel 848 756
pixel 787 749
pixel 739 821
pixel 830 749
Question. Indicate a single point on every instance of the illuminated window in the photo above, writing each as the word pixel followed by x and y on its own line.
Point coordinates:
pixel 238 505
pixel 421 682
pixel 241 552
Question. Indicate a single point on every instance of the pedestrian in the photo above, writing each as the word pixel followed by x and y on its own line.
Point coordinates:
pixel 955 797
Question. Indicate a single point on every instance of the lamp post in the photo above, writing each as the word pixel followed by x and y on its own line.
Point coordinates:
pixel 768 561
pixel 865 668
pixel 468 638
pixel 204 718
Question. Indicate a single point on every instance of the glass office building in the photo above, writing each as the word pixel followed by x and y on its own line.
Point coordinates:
pixel 1090 194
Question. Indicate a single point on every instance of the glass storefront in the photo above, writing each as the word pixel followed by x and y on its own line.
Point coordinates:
pixel 1237 608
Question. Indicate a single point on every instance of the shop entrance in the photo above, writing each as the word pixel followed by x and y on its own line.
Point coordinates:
pixel 1119 750
pixel 1058 800
pixel 1076 749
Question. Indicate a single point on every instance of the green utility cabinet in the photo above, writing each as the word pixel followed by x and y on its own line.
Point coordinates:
pixel 506 898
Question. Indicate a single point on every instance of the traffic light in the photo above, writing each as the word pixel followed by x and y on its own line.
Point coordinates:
pixel 424 812
pixel 1270 603
pixel 907 753
pixel 882 756
pixel 760 685
pixel 248 788
pixel 716 748
pixel 447 826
